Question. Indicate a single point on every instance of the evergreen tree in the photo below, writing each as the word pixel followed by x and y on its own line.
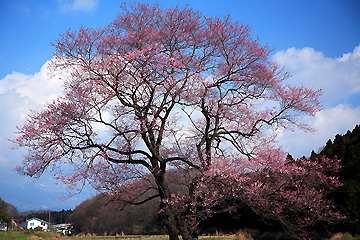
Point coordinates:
pixel 4 215
pixel 347 148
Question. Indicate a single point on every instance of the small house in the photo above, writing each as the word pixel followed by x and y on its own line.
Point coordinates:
pixel 35 223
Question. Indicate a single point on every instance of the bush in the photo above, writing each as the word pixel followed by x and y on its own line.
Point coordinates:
pixel 344 236
pixel 241 235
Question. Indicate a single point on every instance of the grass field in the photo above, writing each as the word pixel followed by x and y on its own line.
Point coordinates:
pixel 30 235
pixel 25 235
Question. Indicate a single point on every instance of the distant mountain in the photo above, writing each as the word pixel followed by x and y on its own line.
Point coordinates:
pixel 99 215
pixel 33 212
pixel 56 217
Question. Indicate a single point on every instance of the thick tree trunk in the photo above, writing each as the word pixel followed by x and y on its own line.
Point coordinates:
pixel 171 227
pixel 183 228
pixel 176 226
pixel 174 223
pixel 167 216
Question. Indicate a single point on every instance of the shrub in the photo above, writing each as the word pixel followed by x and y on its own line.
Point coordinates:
pixel 241 235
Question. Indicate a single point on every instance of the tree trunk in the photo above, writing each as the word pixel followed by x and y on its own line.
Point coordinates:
pixel 174 223
pixel 183 228
pixel 171 227
pixel 167 217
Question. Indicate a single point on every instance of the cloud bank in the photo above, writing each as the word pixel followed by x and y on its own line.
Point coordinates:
pixel 38 88
pixel 18 94
pixel 339 78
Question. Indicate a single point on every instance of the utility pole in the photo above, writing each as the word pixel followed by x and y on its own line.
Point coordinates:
pixel 49 221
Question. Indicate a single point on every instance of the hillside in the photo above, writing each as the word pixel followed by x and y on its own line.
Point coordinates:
pixel 347 148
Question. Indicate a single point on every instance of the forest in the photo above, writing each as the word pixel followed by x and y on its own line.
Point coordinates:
pixel 347 197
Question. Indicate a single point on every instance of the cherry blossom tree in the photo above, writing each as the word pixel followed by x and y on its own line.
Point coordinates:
pixel 163 95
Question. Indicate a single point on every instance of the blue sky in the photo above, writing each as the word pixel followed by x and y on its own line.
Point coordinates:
pixel 318 42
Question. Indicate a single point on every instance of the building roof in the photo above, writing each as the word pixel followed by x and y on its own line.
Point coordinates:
pixel 34 218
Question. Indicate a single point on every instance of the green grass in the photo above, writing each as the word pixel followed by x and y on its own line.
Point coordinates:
pixel 24 235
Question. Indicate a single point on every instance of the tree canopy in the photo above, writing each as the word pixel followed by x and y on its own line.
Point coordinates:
pixel 162 89
pixel 4 214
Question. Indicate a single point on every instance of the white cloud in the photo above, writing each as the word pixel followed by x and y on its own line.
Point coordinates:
pixel 18 94
pixel 78 5
pixel 336 120
pixel 350 56
pixel 340 80
pixel 12 81
pixel 38 88
pixel 327 123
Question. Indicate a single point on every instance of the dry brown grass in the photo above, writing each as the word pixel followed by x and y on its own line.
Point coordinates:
pixel 344 236
pixel 240 235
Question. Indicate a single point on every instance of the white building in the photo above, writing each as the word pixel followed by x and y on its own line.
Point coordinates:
pixel 3 226
pixel 35 222
pixel 64 228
